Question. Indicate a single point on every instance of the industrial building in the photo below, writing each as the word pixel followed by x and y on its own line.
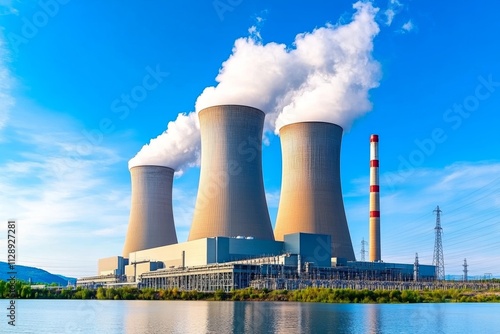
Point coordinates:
pixel 231 243
pixel 224 263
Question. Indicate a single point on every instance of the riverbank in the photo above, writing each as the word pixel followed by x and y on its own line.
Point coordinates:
pixel 323 295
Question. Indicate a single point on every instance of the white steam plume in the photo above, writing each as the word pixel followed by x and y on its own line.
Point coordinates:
pixel 178 147
pixel 325 76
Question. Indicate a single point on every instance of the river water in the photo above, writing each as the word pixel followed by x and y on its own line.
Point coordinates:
pixel 92 316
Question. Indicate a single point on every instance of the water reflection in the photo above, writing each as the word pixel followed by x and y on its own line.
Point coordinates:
pixel 288 317
pixel 373 321
pixel 76 316
pixel 269 317
pixel 235 317
pixel 165 317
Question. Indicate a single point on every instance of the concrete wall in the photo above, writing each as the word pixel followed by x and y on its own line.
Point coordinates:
pixel 133 271
pixel 247 248
pixel 196 253
pixel 313 248
pixel 151 221
pixel 114 265
pixel 208 250
pixel 311 194
pixel 425 271
pixel 231 199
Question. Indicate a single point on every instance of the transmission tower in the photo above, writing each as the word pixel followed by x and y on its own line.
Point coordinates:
pixel 363 250
pixel 438 258
pixel 465 270
pixel 415 268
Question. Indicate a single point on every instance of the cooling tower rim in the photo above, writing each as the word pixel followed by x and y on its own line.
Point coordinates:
pixel 231 105
pixel 309 122
pixel 143 166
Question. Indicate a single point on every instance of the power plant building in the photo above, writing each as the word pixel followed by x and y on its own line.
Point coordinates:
pixel 224 263
pixel 231 243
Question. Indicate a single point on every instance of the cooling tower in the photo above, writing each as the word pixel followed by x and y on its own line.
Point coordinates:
pixel 374 243
pixel 151 221
pixel 311 194
pixel 231 199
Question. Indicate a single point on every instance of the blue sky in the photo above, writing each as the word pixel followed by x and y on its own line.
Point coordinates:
pixel 67 133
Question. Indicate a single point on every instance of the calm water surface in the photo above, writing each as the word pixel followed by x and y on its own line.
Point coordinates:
pixel 85 316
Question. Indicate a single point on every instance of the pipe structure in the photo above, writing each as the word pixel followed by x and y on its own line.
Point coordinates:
pixel 231 199
pixel 311 193
pixel 151 222
pixel 374 254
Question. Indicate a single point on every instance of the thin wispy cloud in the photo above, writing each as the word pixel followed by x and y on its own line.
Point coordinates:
pixel 408 26
pixel 397 9
pixel 7 7
pixel 468 195
pixel 59 200
pixel 183 202
pixel 394 7
pixel 389 13
pixel 6 82
pixel 273 198
pixel 254 31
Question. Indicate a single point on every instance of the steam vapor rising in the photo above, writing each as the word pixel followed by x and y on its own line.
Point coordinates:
pixel 178 147
pixel 325 76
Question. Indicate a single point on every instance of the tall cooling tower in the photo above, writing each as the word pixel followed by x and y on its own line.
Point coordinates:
pixel 151 221
pixel 231 199
pixel 311 195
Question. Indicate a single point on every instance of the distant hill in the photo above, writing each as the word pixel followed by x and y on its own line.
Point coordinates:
pixel 24 273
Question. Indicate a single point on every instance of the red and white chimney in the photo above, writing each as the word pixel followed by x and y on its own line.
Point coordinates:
pixel 374 241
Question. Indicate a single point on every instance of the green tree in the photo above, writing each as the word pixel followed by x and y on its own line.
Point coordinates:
pixel 101 293
pixel 26 291
pixel 110 293
pixel 219 295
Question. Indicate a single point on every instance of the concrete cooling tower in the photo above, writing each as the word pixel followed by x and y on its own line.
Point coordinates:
pixel 311 195
pixel 231 199
pixel 151 221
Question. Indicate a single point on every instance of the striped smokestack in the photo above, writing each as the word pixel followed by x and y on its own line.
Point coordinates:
pixel 374 201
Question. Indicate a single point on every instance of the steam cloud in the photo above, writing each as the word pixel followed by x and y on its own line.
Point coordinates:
pixel 326 76
pixel 178 147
